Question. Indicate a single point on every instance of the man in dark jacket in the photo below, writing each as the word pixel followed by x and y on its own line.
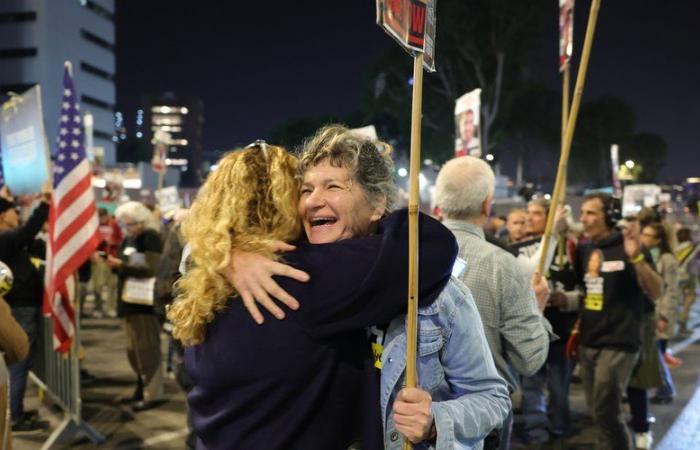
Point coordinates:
pixel 616 277
pixel 26 296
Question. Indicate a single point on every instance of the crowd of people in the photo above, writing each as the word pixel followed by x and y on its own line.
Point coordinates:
pixel 283 293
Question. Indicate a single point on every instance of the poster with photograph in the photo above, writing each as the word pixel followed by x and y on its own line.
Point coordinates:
pixel 412 24
pixel 638 196
pixel 25 152
pixel 566 32
pixel 467 132
pixel 369 132
pixel 168 200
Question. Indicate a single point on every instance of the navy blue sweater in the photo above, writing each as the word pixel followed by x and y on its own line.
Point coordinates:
pixel 307 382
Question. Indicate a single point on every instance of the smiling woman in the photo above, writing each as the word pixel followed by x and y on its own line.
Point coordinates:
pixel 306 382
pixel 347 185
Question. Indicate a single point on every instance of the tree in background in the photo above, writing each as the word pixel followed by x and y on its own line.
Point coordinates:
pixel 647 150
pixel 480 43
pixel 602 122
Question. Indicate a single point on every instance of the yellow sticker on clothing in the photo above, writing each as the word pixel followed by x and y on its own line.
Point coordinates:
pixel 594 302
pixel 377 350
pixel 594 293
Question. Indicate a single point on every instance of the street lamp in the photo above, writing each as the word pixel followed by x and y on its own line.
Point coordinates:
pixel 630 164
pixel 489 157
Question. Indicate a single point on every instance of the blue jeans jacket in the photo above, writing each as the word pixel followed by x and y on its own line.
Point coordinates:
pixel 454 365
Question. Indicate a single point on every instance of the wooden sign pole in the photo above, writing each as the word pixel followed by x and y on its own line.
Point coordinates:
pixel 413 206
pixel 566 82
pixel 570 125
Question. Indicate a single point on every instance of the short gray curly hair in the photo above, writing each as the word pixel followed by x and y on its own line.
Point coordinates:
pixel 368 161
pixel 138 212
pixel 462 186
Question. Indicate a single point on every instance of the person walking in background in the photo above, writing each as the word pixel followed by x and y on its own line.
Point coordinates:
pixel 655 238
pixel 103 281
pixel 136 268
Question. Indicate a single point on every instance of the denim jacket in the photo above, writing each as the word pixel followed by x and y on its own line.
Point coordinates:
pixel 454 365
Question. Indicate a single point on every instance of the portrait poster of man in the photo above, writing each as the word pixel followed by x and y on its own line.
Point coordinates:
pixel 566 32
pixel 468 135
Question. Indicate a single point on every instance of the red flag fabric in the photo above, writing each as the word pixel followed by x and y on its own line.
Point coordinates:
pixel 73 225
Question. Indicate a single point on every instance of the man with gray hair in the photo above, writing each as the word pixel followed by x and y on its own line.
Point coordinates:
pixel 509 303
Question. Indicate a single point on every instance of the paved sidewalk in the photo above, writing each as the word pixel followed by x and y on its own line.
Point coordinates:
pixel 163 427
pixel 677 425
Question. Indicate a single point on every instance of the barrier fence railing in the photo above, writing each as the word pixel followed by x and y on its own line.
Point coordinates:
pixel 58 377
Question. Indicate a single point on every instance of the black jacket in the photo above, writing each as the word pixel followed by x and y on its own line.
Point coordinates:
pixel 308 382
pixel 28 286
pixel 612 321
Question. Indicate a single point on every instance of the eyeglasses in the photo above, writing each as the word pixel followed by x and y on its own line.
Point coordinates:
pixel 259 143
pixel 131 224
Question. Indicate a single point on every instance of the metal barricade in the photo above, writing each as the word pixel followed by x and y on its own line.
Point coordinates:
pixel 58 376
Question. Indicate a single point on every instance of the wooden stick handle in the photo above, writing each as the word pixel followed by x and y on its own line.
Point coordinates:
pixel 570 125
pixel 413 206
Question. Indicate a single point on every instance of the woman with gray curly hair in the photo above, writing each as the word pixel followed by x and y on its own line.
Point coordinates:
pixel 347 192
pixel 136 267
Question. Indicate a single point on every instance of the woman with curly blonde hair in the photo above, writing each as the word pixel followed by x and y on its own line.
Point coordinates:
pixel 241 205
pixel 300 383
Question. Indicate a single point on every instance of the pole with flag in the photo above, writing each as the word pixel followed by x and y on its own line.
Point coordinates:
pixel 73 225
pixel 412 24
pixel 570 126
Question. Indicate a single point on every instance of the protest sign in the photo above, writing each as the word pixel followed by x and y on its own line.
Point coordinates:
pixel 468 135
pixel 638 196
pixel 566 32
pixel 368 132
pixel 168 200
pixel 25 152
pixel 412 24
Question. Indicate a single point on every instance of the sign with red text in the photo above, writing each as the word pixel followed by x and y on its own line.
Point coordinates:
pixel 566 32
pixel 412 24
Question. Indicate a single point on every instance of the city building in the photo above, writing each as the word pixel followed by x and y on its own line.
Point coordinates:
pixel 177 121
pixel 37 36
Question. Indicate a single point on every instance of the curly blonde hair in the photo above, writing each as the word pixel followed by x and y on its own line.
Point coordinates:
pixel 250 199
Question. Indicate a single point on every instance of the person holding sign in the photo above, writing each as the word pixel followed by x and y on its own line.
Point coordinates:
pixel 136 267
pixel 348 179
pixel 26 296
pixel 306 382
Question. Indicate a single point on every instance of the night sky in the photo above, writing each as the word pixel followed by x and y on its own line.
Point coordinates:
pixel 257 64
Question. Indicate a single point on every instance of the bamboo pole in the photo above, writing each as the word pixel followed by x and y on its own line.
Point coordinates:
pixel 566 83
pixel 413 203
pixel 570 125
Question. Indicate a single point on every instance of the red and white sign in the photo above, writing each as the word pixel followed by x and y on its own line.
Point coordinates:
pixel 412 24
pixel 566 32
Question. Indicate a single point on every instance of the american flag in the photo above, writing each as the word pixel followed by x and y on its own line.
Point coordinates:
pixel 73 224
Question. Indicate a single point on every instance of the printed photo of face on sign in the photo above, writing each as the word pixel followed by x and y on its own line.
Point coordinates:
pixel 594 281
pixel 467 133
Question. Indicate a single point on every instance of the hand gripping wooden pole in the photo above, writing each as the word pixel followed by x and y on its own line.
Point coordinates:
pixel 413 205
pixel 570 125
